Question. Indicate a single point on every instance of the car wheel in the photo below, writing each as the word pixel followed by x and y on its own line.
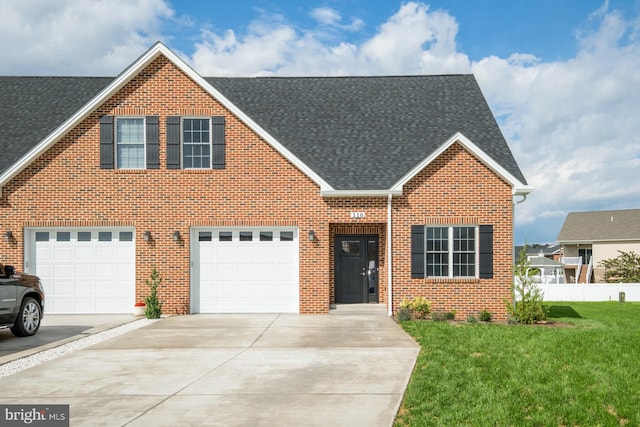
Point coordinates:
pixel 28 321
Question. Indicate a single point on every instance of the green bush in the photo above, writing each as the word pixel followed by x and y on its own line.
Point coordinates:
pixel 153 308
pixel 471 318
pixel 526 306
pixel 419 307
pixel 485 316
pixel 450 315
pixel 404 314
pixel 439 316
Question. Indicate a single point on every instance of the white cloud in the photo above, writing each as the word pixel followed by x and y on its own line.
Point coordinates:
pixel 413 41
pixel 329 17
pixel 573 124
pixel 77 37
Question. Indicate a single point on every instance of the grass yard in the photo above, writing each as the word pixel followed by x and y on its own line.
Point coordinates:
pixel 585 374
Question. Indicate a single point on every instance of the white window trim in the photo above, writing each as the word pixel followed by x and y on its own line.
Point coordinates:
pixel 144 141
pixel 182 119
pixel 450 252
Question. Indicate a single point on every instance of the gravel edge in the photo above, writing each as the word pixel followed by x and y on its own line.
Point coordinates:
pixel 23 363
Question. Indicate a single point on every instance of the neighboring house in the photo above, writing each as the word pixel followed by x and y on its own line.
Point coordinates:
pixel 588 238
pixel 256 194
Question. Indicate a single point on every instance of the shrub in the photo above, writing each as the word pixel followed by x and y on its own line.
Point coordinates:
pixel 404 314
pixel 471 318
pixel 438 316
pixel 154 306
pixel 418 307
pixel 485 316
pixel 527 305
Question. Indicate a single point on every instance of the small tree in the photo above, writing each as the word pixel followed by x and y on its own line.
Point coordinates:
pixel 527 302
pixel 625 268
pixel 153 308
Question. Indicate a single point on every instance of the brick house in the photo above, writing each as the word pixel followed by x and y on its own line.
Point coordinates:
pixel 256 194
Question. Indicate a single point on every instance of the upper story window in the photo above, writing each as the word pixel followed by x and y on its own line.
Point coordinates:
pixel 196 143
pixel 129 142
pixel 130 139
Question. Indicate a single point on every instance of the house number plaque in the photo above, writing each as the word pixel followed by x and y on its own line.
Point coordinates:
pixel 357 215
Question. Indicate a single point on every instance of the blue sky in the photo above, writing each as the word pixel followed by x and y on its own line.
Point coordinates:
pixel 561 76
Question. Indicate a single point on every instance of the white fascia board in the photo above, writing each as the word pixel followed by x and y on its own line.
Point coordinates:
pixel 127 75
pixel 518 188
pixel 360 193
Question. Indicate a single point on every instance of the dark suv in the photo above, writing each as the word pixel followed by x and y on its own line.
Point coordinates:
pixel 21 301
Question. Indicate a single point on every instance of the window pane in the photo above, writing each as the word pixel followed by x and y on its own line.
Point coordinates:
pixel 196 144
pixel 63 236
pixel 286 236
pixel 266 236
pixel 84 236
pixel 246 236
pixel 464 256
pixel 204 236
pixel 42 236
pixel 104 236
pixel 130 143
pixel 126 236
pixel 437 251
pixel 225 236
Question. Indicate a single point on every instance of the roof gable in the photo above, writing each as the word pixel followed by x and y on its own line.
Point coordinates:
pixel 350 135
pixel 600 226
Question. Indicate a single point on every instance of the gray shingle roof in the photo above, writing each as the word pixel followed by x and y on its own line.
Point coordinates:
pixel 601 226
pixel 357 133
pixel 33 107
pixel 368 132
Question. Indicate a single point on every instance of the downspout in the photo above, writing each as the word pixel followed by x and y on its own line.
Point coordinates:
pixel 389 263
pixel 513 244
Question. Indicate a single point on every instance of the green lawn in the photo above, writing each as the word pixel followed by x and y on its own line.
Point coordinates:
pixel 585 374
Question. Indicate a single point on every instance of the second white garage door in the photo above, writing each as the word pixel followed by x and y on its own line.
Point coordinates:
pixel 245 270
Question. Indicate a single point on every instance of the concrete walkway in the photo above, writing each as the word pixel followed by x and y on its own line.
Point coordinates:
pixel 231 370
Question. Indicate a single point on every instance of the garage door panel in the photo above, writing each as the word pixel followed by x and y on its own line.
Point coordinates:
pixel 246 275
pixel 85 270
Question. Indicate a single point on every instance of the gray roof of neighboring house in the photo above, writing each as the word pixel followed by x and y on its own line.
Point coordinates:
pixel 601 226
pixel 357 133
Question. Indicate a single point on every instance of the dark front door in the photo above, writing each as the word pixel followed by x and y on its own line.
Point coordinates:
pixel 356 269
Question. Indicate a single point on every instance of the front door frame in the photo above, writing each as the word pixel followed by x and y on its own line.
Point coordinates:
pixel 356 275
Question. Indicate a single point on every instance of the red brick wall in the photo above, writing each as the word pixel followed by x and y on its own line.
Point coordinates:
pixel 66 187
pixel 455 189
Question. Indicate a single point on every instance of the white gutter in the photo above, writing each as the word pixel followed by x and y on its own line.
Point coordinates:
pixel 389 264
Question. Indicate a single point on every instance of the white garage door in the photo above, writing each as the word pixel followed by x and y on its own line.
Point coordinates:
pixel 89 270
pixel 245 270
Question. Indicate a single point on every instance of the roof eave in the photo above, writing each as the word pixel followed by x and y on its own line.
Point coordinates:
pixel 360 193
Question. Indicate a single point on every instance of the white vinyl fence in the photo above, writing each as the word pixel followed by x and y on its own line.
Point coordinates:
pixel 591 292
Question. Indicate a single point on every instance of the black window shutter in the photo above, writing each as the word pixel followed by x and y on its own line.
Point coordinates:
pixel 106 142
pixel 153 142
pixel 417 252
pixel 486 251
pixel 173 142
pixel 218 142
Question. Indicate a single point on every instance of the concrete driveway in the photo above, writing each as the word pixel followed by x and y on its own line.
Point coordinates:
pixel 55 330
pixel 231 370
